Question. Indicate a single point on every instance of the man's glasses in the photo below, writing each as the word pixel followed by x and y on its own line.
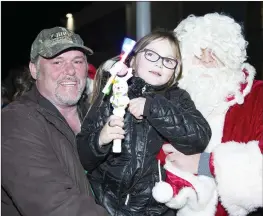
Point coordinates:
pixel 154 57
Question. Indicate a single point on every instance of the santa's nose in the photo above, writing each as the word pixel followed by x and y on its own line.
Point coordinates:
pixel 206 56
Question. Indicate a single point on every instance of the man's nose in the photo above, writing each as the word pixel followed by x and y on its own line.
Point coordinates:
pixel 70 69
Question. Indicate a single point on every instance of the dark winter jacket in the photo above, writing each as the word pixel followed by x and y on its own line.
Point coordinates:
pixel 41 171
pixel 123 182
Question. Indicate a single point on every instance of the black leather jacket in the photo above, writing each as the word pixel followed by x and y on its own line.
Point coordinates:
pixel 123 183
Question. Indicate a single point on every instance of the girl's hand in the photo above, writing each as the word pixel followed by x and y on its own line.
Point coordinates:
pixel 113 129
pixel 136 107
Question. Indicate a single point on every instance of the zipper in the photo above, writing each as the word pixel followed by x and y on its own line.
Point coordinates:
pixel 143 89
pixel 127 199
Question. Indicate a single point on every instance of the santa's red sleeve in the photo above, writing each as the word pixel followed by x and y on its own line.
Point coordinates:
pixel 237 166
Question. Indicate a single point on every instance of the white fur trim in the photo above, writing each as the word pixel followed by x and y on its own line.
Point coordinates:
pixel 250 78
pixel 239 98
pixel 201 201
pixel 238 170
pixel 162 192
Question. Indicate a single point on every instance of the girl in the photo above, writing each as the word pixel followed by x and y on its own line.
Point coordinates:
pixel 159 111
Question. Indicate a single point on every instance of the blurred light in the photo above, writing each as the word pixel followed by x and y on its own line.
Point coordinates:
pixel 70 22
pixel 69 15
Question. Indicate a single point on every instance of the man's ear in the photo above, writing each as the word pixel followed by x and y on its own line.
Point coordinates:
pixel 33 70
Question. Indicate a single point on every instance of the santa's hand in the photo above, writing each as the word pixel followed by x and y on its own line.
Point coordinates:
pixel 171 193
pixel 119 68
pixel 188 163
pixel 194 195
pixel 136 107
pixel 113 129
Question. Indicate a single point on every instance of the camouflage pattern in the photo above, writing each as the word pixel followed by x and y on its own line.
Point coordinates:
pixel 51 42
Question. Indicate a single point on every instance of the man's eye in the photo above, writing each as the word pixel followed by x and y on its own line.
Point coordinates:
pixel 78 62
pixel 57 62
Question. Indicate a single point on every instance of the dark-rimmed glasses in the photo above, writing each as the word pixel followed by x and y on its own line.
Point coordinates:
pixel 167 62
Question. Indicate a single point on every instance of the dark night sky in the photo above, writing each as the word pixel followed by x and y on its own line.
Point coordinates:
pixel 22 21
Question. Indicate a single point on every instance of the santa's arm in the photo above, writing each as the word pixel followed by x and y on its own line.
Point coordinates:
pixel 237 167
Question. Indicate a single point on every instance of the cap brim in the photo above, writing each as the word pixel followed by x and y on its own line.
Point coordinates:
pixel 59 48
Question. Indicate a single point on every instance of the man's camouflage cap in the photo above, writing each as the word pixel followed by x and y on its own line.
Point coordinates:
pixel 51 42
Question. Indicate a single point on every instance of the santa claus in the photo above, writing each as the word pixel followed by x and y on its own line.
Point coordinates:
pixel 227 178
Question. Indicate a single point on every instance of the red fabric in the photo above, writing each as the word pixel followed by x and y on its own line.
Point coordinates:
pixel 211 164
pixel 176 182
pixel 242 86
pixel 260 145
pixel 244 122
pixel 161 157
pixel 91 71
pixel 220 211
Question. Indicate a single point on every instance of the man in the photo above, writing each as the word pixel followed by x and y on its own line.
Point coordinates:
pixel 229 180
pixel 41 171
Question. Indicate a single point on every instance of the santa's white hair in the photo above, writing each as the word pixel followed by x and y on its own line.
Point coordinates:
pixel 215 31
pixel 223 36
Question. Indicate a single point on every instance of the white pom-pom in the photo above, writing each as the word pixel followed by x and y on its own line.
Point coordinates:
pixel 162 192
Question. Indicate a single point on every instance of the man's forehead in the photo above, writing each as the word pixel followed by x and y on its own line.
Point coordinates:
pixel 71 54
pixel 65 56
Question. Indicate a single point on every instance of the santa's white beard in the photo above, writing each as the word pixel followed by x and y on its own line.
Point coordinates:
pixel 210 87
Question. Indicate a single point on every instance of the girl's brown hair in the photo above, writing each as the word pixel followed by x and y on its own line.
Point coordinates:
pixel 100 77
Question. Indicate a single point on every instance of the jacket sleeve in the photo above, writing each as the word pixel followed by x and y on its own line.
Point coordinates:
pixel 178 121
pixel 90 153
pixel 32 174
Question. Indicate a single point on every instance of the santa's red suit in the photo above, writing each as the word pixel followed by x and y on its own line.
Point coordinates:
pixel 236 160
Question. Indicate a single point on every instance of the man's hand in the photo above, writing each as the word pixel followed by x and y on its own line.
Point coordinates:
pixel 188 163
pixel 113 129
pixel 136 107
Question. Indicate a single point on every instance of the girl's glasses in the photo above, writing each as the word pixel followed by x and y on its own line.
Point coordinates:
pixel 154 57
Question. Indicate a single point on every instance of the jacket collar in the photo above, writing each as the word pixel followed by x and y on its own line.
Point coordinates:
pixel 138 86
pixel 47 105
